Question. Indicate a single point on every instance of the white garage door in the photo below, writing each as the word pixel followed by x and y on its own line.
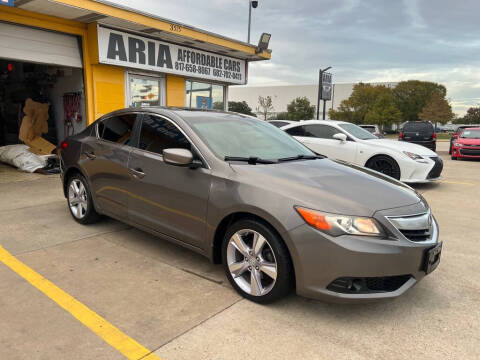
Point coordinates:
pixel 28 44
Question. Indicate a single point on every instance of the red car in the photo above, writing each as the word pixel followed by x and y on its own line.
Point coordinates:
pixel 467 144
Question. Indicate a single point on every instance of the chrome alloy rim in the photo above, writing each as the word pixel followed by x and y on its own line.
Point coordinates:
pixel 251 262
pixel 77 198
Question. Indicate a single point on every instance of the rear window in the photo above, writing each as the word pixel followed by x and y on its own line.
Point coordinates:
pixel 423 127
pixel 369 128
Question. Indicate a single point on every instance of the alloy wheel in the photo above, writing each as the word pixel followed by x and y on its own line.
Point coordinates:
pixel 77 198
pixel 251 262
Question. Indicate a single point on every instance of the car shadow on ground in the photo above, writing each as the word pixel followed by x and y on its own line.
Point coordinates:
pixel 193 263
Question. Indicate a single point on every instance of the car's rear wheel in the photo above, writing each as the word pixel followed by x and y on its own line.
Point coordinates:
pixel 256 261
pixel 80 200
pixel 384 164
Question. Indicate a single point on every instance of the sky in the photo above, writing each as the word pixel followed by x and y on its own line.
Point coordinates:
pixel 363 40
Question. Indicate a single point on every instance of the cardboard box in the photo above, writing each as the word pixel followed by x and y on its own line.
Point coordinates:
pixel 40 146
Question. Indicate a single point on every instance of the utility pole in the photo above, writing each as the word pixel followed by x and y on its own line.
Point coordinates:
pixel 251 4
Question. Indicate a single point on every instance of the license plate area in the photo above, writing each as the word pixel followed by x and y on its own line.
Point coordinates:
pixel 432 258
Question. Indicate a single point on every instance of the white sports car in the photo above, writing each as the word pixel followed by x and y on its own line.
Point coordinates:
pixel 345 141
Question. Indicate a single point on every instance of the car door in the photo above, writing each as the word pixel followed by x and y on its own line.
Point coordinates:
pixel 320 139
pixel 166 198
pixel 105 160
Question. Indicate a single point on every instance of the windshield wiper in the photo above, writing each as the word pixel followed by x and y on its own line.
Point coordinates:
pixel 252 160
pixel 301 157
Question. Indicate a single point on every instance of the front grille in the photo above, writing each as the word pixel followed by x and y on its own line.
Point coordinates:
pixel 365 285
pixel 471 152
pixel 416 235
pixel 437 168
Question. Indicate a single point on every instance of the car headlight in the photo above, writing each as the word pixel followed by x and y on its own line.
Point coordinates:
pixel 413 156
pixel 336 225
pixel 457 144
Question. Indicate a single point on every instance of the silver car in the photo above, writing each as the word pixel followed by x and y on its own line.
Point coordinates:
pixel 244 193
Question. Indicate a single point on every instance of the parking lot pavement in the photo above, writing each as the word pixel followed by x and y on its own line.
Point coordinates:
pixel 177 304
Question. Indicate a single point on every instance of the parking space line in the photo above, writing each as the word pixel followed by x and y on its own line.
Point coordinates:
pixel 108 332
pixel 456 182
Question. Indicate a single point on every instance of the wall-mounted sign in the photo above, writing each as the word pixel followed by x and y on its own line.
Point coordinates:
pixel 7 2
pixel 131 50
pixel 326 86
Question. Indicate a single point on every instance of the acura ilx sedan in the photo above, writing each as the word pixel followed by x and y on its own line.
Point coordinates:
pixel 246 194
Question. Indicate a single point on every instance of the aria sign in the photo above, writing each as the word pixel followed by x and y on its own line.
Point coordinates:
pixel 129 50
pixel 326 86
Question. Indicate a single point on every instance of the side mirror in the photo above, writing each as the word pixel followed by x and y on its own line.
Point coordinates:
pixel 178 157
pixel 340 136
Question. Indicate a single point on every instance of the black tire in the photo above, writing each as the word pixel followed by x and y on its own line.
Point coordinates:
pixel 450 149
pixel 284 272
pixel 90 216
pixel 385 165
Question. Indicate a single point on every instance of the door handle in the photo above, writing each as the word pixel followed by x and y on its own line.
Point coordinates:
pixel 90 155
pixel 138 173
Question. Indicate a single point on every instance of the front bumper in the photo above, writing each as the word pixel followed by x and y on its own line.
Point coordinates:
pixel 468 152
pixel 428 170
pixel 320 260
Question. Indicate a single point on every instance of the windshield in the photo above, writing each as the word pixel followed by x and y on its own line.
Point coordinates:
pixel 471 134
pixel 357 131
pixel 246 137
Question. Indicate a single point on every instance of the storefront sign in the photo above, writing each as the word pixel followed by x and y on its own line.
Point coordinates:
pixel 7 2
pixel 130 50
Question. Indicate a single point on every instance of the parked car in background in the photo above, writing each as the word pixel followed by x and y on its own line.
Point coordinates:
pixel 280 123
pixel 419 132
pixel 245 194
pixel 374 129
pixel 348 142
pixel 458 130
pixel 467 144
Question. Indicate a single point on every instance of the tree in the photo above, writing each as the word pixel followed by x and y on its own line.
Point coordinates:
pixel 437 110
pixel 362 101
pixel 265 106
pixel 413 95
pixel 384 111
pixel 472 116
pixel 300 109
pixel 240 107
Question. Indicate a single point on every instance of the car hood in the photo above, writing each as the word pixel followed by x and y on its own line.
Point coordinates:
pixel 467 141
pixel 329 186
pixel 401 146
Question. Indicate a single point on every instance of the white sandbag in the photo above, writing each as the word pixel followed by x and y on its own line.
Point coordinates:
pixel 20 157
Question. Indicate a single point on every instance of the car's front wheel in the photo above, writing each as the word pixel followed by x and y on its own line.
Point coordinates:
pixel 256 261
pixel 384 164
pixel 80 200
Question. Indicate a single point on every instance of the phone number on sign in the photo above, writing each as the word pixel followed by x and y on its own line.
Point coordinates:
pixel 203 70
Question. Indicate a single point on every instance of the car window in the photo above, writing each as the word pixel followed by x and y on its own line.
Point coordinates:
pixel 419 126
pixel 369 128
pixel 158 134
pixel 279 123
pixel 117 129
pixel 296 131
pixel 357 131
pixel 320 131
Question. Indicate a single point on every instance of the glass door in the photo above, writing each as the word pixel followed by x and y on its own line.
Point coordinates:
pixel 145 91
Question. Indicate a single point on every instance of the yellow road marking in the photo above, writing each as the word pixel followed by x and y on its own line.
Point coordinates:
pixel 456 182
pixel 109 333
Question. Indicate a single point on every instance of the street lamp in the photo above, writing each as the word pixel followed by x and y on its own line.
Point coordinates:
pixel 320 90
pixel 251 4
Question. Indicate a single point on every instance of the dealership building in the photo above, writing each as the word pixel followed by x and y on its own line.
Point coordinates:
pixel 86 58
pixel 282 95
